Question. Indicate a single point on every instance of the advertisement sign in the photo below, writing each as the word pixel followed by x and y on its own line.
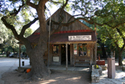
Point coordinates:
pixel 79 37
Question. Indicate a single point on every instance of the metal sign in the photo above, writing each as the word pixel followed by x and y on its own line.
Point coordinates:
pixel 79 37
pixel 55 59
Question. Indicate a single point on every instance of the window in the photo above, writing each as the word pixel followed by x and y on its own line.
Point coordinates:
pixel 55 49
pixel 82 49
pixel 75 49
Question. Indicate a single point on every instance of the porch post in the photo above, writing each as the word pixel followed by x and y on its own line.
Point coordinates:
pixel 91 51
pixel 19 55
pixel 95 53
pixel 95 45
pixel 71 54
pixel 66 56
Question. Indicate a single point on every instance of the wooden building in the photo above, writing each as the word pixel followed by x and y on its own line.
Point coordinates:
pixel 73 45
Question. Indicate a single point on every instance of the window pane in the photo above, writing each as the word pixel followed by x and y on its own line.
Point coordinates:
pixel 55 49
pixel 82 49
pixel 75 49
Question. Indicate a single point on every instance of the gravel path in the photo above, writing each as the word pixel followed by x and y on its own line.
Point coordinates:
pixel 14 77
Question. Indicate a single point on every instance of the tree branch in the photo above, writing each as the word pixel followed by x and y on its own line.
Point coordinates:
pixel 57 29
pixel 17 11
pixel 27 26
pixel 55 2
pixel 112 38
pixel 10 27
pixel 75 19
pixel 31 4
pixel 64 4
pixel 60 24
pixel 121 34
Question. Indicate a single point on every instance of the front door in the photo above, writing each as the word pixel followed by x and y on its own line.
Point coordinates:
pixel 63 54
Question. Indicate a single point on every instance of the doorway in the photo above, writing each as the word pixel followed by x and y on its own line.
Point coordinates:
pixel 63 54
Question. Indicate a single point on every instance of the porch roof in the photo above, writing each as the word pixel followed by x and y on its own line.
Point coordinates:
pixel 62 36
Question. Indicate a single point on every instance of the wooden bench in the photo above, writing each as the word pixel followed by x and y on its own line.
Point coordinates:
pixel 82 60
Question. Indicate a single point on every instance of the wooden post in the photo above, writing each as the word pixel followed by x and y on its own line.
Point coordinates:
pixel 19 55
pixel 66 56
pixel 59 54
pixel 71 54
pixel 50 58
pixel 92 53
pixel 95 53
pixel 95 45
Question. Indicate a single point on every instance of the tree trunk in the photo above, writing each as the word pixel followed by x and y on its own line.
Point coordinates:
pixel 103 50
pixel 120 59
pixel 39 70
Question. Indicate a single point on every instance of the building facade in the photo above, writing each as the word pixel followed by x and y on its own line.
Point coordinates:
pixel 73 44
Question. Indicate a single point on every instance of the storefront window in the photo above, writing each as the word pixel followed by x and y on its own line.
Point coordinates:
pixel 55 49
pixel 82 49
pixel 88 52
pixel 75 49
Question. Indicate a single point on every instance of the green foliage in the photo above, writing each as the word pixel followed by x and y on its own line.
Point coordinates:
pixel 123 54
pixel 96 66
pixel 113 15
pixel 23 48
pixel 9 43
pixel 28 32
pixel 83 7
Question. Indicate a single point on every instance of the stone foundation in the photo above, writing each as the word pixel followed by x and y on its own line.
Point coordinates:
pixel 95 74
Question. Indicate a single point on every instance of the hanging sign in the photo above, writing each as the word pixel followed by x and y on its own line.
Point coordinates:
pixel 79 37
pixel 55 59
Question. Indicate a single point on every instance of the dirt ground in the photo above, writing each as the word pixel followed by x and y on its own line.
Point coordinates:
pixel 14 77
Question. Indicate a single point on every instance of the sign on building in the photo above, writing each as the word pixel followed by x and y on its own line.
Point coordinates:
pixel 79 37
pixel 55 59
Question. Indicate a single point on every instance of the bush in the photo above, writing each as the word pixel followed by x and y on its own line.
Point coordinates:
pixel 97 67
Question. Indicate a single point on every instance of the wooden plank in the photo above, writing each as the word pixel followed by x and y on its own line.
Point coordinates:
pixel 50 54
pixel 71 54
pixel 66 56
pixel 91 55
pixel 82 58
pixel 77 25
pixel 60 54
pixel 95 53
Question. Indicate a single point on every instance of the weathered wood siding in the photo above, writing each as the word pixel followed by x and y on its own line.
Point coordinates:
pixel 77 25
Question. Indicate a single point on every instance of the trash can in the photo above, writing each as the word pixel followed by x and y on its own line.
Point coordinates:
pixel 111 67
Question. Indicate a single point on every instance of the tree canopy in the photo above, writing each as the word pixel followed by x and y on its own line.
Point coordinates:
pixel 110 20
